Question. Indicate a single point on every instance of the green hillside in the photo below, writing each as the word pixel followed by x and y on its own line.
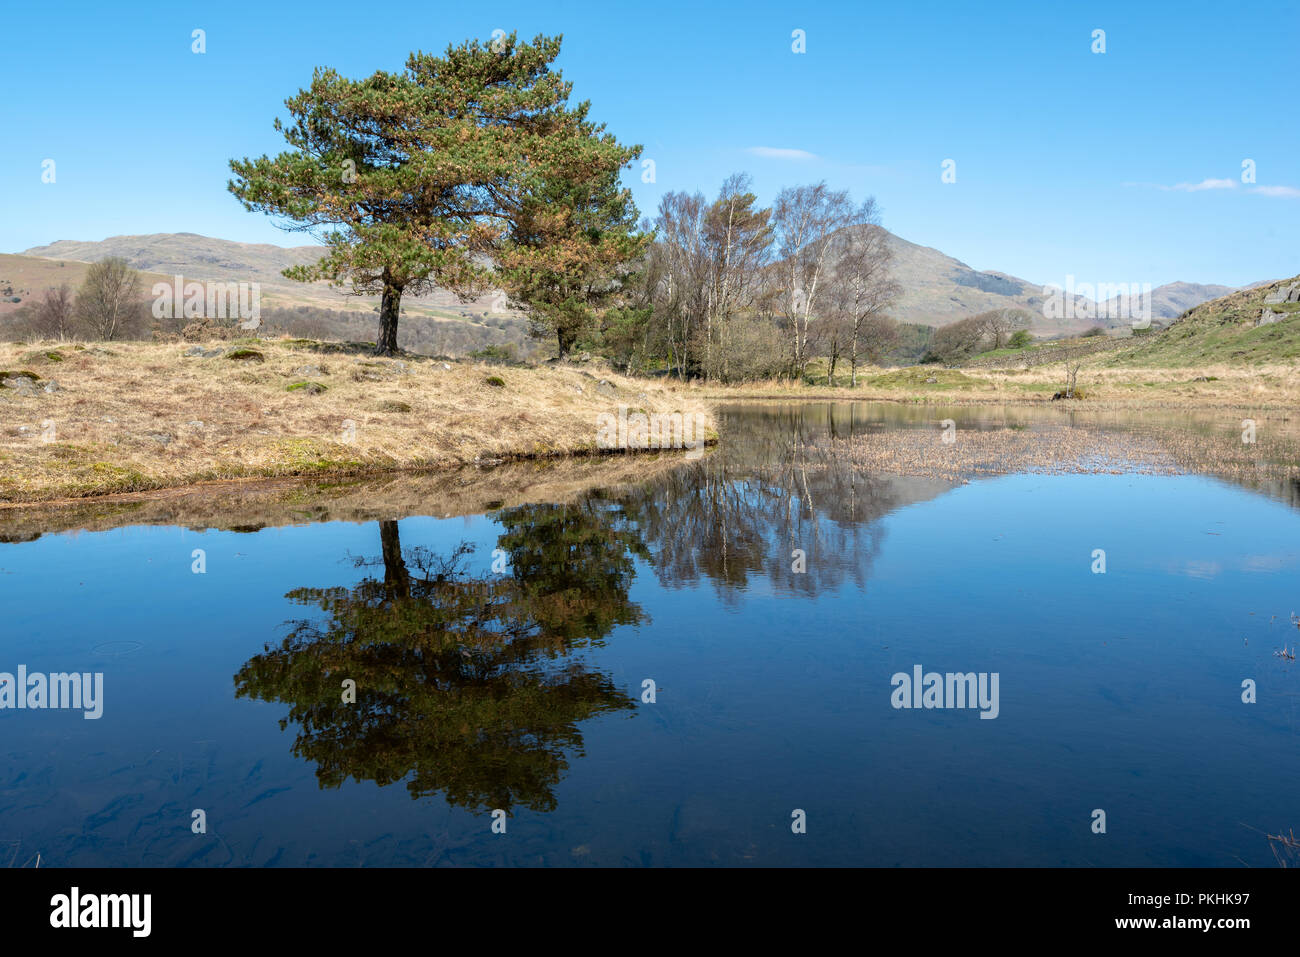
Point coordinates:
pixel 1242 328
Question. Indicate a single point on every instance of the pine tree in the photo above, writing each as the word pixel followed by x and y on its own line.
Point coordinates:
pixel 463 171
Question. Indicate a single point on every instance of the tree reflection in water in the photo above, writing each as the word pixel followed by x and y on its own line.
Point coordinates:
pixel 469 684
pixel 466 683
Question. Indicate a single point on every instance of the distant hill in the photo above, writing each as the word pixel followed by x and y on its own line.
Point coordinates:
pixel 26 277
pixel 436 324
pixel 186 253
pixel 1167 302
pixel 203 258
pixel 937 289
pixel 1253 325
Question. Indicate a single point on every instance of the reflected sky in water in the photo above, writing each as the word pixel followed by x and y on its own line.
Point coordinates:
pixel 520 686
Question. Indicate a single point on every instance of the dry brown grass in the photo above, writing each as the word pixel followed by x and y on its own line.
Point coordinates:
pixel 1225 387
pixel 135 416
pixel 1086 445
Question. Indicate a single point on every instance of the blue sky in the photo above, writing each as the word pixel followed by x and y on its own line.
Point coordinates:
pixel 1123 166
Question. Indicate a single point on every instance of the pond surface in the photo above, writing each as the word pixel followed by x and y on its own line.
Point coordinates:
pixel 771 591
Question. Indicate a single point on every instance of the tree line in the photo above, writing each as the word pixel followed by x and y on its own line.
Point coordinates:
pixel 730 291
pixel 473 171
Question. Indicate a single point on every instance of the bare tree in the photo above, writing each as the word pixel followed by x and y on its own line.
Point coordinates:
pixel 876 337
pixel 998 324
pixel 680 294
pixel 809 221
pixel 957 340
pixel 708 259
pixel 739 242
pixel 52 315
pixel 862 292
pixel 1073 360
pixel 109 298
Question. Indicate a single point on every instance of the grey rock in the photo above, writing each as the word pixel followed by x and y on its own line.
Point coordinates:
pixel 162 438
pixel 1283 294
pixel 1268 317
pixel 20 384
pixel 307 372
pixel 605 387
pixel 50 386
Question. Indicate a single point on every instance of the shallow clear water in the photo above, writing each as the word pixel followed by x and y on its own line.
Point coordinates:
pixel 520 687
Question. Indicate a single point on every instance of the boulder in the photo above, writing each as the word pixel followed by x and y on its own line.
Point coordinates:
pixel 20 384
pixel 1267 317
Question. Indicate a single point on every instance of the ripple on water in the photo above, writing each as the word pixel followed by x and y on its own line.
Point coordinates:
pixel 116 649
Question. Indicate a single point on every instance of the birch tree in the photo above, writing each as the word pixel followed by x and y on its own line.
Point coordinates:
pixel 809 223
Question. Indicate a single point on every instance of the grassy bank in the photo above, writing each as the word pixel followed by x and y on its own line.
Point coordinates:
pixel 1271 386
pixel 79 420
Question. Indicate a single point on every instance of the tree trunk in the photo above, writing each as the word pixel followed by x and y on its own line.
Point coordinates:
pixel 397 579
pixel 389 305
pixel 565 338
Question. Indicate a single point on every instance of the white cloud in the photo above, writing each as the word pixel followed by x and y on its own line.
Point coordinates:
pixel 1288 192
pixel 773 152
pixel 1203 185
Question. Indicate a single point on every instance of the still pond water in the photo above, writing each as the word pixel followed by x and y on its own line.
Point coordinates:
pixel 500 661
